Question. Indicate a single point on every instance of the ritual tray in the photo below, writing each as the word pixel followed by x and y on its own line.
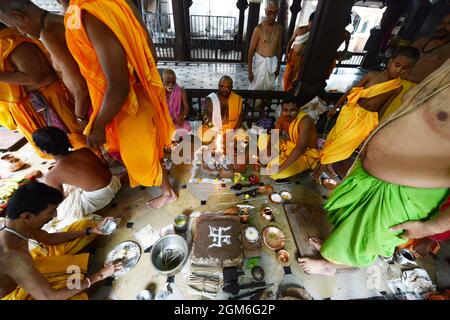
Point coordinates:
pixel 217 241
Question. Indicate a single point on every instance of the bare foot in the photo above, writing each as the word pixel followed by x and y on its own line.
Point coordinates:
pixel 162 200
pixel 316 242
pixel 314 266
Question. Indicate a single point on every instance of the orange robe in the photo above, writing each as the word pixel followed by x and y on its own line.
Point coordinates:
pixel 292 70
pixel 144 126
pixel 308 160
pixel 54 263
pixel 398 101
pixel 16 110
pixel 354 123
pixel 234 111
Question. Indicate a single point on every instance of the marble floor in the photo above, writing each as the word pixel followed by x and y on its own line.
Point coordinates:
pixel 129 205
pixel 192 75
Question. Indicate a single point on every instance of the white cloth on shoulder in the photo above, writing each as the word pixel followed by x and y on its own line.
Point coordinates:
pixel 79 204
pixel 264 72
pixel 300 39
pixel 216 112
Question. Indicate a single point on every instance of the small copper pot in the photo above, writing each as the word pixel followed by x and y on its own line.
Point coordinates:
pixel 283 256
pixel 267 213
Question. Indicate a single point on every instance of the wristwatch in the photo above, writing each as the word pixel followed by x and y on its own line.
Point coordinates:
pixel 88 231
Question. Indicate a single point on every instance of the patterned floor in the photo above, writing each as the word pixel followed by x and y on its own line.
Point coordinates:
pixel 192 75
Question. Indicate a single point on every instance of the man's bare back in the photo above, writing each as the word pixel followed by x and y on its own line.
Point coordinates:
pixel 414 150
pixel 80 168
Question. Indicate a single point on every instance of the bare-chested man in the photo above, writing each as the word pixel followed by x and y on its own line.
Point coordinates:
pixel 44 271
pixel 88 183
pixel 264 54
pixel 227 105
pixel 223 111
pixel 434 51
pixel 401 180
pixel 49 29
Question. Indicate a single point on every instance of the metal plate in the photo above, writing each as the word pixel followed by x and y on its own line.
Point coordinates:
pixel 129 252
pixel 273 238
pixel 276 198
pixel 286 195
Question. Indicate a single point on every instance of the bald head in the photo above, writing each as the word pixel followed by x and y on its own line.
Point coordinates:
pixel 169 72
pixel 225 86
pixel 169 79
pixel 227 79
pixel 271 11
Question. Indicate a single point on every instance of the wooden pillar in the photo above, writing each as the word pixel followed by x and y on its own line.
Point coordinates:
pixel 325 38
pixel 182 28
pixel 295 9
pixel 242 5
pixel 138 4
pixel 283 20
pixel 252 22
pixel 417 13
pixel 378 39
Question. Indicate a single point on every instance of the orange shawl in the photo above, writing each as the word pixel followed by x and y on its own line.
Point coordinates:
pixel 120 19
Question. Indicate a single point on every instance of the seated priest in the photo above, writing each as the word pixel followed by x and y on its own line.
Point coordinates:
pixel 298 144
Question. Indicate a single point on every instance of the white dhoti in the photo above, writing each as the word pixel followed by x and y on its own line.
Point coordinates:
pixel 216 112
pixel 300 40
pixel 79 204
pixel 263 72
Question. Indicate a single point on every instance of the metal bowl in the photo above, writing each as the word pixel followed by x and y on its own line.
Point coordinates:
pixel 109 227
pixel 405 257
pixel 286 195
pixel 283 256
pixel 169 254
pixel 251 234
pixel 276 198
pixel 180 223
pixel 267 213
pixel 144 295
pixel 273 238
